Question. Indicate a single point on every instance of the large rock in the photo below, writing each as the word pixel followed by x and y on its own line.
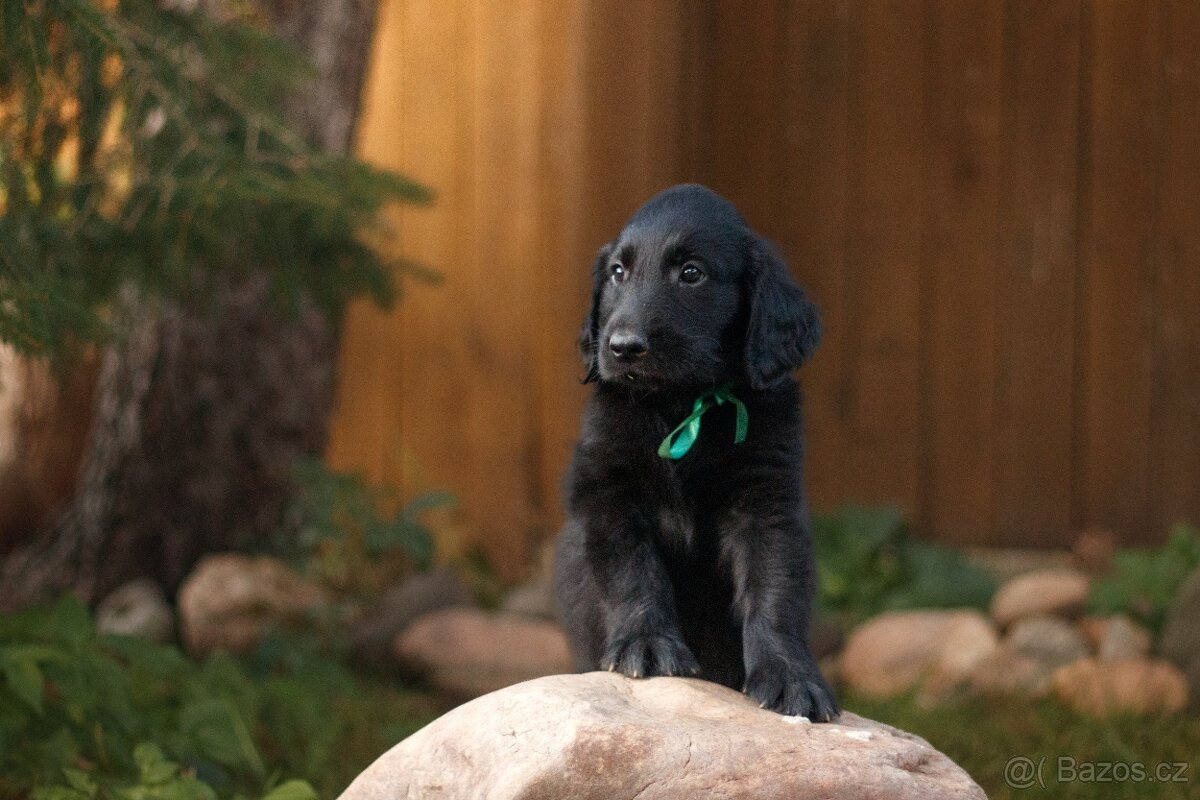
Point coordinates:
pixel 464 652
pixel 602 736
pixel 1139 686
pixel 899 650
pixel 230 601
pixel 371 638
pixel 1058 592
pixel 137 608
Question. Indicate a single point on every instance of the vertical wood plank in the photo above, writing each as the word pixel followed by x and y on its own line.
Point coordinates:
pixel 501 472
pixel 1177 335
pixel 1035 292
pixel 436 148
pixel 884 256
pixel 812 211
pixel 1118 256
pixel 631 78
pixel 564 256
pixel 364 428
pixel 747 93
pixel 962 145
pixel 698 60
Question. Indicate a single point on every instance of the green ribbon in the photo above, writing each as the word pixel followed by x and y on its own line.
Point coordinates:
pixel 680 440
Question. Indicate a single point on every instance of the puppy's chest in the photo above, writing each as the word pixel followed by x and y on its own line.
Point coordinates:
pixel 689 511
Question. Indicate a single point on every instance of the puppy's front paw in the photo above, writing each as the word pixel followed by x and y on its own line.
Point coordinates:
pixel 791 689
pixel 646 655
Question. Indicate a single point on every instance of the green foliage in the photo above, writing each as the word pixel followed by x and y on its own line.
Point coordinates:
pixel 346 537
pixel 144 145
pixel 868 562
pixel 1143 581
pixel 84 716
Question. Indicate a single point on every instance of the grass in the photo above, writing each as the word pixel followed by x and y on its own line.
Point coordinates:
pixel 983 735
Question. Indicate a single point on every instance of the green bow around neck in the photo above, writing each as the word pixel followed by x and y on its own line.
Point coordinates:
pixel 680 440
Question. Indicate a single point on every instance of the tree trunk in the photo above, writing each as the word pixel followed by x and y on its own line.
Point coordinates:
pixel 202 407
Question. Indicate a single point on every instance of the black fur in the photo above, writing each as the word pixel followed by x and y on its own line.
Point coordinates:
pixel 701 565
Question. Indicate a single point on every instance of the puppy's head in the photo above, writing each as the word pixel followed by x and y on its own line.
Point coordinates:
pixel 688 295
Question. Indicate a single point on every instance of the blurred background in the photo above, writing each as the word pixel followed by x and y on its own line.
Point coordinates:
pixel 994 204
pixel 332 319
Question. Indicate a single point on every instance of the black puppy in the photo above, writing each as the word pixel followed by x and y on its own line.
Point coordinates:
pixel 686 550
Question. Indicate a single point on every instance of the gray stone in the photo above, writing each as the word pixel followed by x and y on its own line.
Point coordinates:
pixel 371 638
pixel 1027 657
pixel 137 608
pixel 1050 641
pixel 1123 638
pixel 601 736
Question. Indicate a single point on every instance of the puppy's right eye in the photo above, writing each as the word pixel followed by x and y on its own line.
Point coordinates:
pixel 619 273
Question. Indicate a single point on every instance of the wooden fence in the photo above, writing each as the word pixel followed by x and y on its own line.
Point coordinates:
pixel 996 204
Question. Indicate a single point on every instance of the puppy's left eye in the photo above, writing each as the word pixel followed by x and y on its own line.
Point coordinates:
pixel 691 273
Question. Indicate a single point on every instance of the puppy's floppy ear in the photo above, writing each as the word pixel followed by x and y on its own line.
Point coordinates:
pixel 589 336
pixel 784 327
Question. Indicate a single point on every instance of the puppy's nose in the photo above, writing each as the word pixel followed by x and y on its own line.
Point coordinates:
pixel 628 346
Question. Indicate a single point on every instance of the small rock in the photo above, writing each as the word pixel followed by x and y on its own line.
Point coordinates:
pixel 895 651
pixel 1123 638
pixel 600 736
pixel 1005 672
pixel 534 600
pixel 465 652
pixel 230 601
pixel 1139 686
pixel 1050 641
pixel 1059 592
pixel 1027 657
pixel 371 638
pixel 137 608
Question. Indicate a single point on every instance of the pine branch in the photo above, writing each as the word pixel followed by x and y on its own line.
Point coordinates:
pixel 143 146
